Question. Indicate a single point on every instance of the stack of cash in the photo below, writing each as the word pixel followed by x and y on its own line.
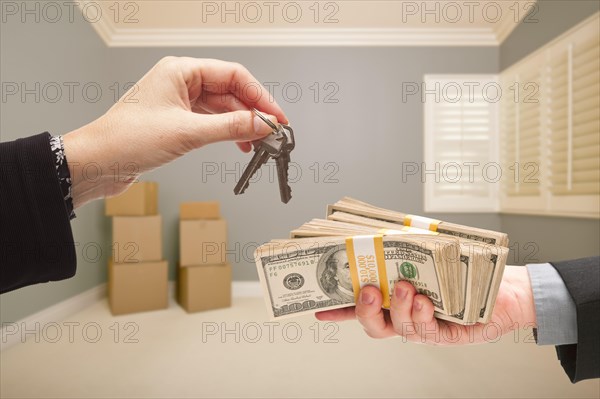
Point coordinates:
pixel 351 206
pixel 326 262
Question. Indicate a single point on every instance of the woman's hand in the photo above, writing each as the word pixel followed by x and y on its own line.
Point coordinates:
pixel 181 104
pixel 411 314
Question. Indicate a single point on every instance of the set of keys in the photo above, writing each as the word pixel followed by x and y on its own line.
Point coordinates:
pixel 278 145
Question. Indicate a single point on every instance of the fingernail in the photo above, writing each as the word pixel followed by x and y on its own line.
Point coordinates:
pixel 400 292
pixel 418 305
pixel 366 298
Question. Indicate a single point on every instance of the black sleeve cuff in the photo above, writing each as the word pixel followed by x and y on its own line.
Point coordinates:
pixel 35 232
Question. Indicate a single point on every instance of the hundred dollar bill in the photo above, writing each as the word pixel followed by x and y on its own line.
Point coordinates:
pixel 315 274
pixel 360 208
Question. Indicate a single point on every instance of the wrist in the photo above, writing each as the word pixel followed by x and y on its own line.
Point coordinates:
pixel 517 278
pixel 86 166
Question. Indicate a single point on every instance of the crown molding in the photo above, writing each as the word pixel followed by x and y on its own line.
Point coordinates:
pixel 223 37
pixel 504 28
pixel 173 35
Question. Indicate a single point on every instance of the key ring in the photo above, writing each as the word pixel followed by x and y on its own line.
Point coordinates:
pixel 265 119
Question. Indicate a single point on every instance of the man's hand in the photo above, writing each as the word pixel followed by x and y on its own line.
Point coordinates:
pixel 411 314
pixel 181 104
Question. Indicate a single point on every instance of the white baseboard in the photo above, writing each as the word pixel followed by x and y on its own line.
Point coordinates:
pixel 246 289
pixel 239 289
pixel 52 314
pixel 68 307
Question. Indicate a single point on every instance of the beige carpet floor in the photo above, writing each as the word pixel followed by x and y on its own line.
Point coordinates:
pixel 235 352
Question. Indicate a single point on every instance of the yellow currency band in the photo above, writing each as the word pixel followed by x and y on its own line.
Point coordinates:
pixel 421 222
pixel 367 265
pixel 406 230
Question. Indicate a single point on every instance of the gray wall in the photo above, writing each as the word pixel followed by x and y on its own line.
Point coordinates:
pixel 551 18
pixel 54 55
pixel 368 131
pixel 537 238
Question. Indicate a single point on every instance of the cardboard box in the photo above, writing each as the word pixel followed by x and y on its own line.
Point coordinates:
pixel 140 199
pixel 202 242
pixel 137 239
pixel 199 210
pixel 204 287
pixel 137 287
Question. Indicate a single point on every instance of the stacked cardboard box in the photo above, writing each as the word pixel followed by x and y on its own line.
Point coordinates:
pixel 204 278
pixel 137 273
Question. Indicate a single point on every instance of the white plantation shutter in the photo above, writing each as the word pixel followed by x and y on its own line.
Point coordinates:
pixel 558 116
pixel 575 116
pixel 530 140
pixel 549 140
pixel 460 144
pixel 509 136
pixel 559 135
pixel 521 137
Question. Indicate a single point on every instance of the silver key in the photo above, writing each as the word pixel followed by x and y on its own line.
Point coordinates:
pixel 283 161
pixel 260 157
pixel 265 149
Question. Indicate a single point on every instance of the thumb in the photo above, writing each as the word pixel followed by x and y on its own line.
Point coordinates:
pixel 229 126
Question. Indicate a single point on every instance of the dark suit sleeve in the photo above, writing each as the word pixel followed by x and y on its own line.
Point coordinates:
pixel 35 232
pixel 581 361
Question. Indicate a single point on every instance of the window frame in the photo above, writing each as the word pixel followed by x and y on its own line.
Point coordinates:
pixel 433 203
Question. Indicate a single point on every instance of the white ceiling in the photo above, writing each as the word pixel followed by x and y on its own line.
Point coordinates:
pixel 126 23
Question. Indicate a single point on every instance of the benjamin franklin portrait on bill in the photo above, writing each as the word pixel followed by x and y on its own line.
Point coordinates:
pixel 334 277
